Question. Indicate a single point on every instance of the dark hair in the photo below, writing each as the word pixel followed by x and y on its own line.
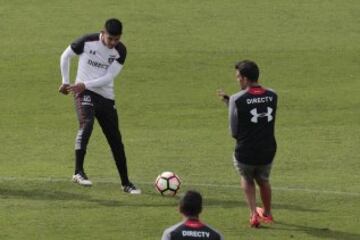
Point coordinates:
pixel 248 69
pixel 191 204
pixel 113 26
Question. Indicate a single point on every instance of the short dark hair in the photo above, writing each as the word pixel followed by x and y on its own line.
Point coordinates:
pixel 249 69
pixel 113 26
pixel 191 204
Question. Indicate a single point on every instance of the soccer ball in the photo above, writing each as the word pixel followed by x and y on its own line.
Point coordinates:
pixel 167 183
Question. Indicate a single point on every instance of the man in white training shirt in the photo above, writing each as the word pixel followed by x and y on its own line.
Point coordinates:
pixel 101 59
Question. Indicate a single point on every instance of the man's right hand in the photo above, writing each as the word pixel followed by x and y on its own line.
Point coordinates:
pixel 64 89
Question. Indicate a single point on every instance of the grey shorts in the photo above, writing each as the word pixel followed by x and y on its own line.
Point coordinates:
pixel 251 172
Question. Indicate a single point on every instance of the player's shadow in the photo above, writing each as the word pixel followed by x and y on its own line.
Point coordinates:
pixel 49 195
pixel 40 194
pixel 225 203
pixel 156 199
pixel 325 233
pixel 56 195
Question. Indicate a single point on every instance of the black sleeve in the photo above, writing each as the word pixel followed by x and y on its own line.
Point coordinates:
pixel 122 52
pixel 78 45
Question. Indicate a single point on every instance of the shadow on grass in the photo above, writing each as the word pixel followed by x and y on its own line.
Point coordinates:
pixel 48 195
pixel 156 199
pixel 55 195
pixel 41 194
pixel 237 203
pixel 325 233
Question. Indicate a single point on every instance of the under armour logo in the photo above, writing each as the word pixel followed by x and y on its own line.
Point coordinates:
pixel 257 115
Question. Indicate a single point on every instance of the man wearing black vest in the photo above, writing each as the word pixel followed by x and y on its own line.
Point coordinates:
pixel 252 118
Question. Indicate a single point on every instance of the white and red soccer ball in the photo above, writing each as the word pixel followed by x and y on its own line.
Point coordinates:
pixel 167 183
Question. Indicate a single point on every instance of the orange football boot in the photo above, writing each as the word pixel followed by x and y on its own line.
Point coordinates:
pixel 264 218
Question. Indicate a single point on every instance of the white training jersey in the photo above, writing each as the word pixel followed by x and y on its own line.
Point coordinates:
pixel 98 65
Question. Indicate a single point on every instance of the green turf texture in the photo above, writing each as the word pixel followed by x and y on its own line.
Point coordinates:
pixel 179 53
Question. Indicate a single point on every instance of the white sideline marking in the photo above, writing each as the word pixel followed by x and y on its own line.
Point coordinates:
pixel 102 180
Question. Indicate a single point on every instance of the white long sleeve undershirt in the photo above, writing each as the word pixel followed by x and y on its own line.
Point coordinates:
pixel 65 64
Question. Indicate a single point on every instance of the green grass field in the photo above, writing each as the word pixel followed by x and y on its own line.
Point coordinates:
pixel 179 53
